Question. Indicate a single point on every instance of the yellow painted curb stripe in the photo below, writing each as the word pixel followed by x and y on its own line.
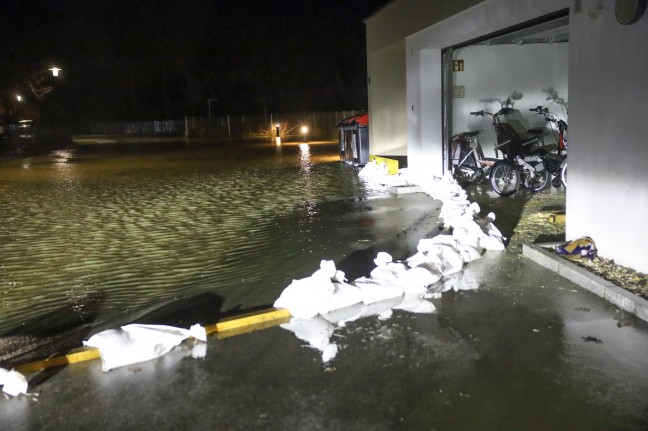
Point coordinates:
pixel 392 165
pixel 249 322
pixel 226 328
pixel 81 355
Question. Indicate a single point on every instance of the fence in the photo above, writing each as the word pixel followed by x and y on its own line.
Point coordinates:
pixel 321 125
pixel 171 127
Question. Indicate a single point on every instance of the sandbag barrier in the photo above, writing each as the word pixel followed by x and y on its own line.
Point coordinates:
pixel 325 301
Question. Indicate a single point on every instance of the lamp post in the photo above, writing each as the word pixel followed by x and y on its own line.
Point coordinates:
pixel 304 130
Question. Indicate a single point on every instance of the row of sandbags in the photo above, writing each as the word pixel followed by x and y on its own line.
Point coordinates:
pixel 325 301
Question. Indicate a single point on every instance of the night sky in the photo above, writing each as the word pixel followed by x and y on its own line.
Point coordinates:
pixel 145 59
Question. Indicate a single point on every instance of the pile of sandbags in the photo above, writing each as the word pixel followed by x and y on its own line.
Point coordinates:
pixel 324 301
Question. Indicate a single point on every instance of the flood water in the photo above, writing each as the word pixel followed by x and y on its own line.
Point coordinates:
pixel 100 235
pixel 95 232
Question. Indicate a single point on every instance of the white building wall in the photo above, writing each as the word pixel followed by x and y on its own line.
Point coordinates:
pixel 607 197
pixel 386 33
pixel 387 113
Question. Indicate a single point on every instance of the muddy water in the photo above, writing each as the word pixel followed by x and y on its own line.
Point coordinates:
pixel 91 233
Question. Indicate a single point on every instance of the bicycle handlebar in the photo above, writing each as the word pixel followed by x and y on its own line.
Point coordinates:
pixel 539 109
pixel 482 113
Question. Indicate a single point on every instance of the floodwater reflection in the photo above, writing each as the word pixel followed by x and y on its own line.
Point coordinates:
pixel 135 226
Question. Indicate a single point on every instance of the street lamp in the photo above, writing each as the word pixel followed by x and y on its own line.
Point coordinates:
pixel 55 71
pixel 277 134
pixel 304 130
pixel 19 97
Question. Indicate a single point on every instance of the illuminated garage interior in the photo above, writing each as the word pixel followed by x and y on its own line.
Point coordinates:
pixel 527 66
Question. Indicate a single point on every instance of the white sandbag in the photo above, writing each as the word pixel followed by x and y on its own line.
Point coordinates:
pixel 384 260
pixel 317 333
pixel 451 259
pixel 460 281
pixel 326 270
pixel 416 304
pixel 341 316
pixel 381 309
pixel 421 258
pixel 309 296
pixel 427 244
pixel 439 188
pixel 494 239
pixel 344 296
pixel 441 251
pixel 374 171
pixel 377 174
pixel 376 290
pixel 388 274
pixel 13 383
pixel 468 232
pixel 469 253
pixel 138 343
pixel 419 278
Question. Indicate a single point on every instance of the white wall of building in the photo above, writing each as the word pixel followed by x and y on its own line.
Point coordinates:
pixel 607 197
pixel 386 33
pixel 386 91
pixel 529 74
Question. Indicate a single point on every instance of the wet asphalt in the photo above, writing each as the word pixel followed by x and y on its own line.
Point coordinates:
pixel 524 349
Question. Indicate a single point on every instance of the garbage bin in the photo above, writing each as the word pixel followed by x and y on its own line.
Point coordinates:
pixel 354 139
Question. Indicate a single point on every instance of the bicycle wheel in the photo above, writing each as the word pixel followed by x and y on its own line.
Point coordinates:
pixel 504 178
pixel 538 182
pixel 563 174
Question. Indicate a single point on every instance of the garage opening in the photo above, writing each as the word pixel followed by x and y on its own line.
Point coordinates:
pixel 526 67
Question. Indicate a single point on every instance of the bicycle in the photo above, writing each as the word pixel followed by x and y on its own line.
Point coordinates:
pixel 558 127
pixel 521 164
pixel 469 166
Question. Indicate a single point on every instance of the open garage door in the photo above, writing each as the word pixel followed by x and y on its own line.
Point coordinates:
pixel 527 65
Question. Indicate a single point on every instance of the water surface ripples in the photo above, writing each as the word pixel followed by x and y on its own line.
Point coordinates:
pixel 110 232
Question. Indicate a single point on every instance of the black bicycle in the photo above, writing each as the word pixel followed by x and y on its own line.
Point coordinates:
pixel 523 162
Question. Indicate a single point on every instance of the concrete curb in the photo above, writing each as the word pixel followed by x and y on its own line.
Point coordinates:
pixel 401 190
pixel 611 292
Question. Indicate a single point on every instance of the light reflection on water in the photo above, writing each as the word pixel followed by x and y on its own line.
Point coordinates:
pixel 117 231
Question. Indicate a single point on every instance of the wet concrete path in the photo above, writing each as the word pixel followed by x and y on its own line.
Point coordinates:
pixel 526 349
